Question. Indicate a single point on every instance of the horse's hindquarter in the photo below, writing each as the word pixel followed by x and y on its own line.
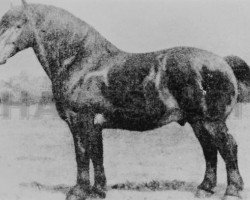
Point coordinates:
pixel 201 82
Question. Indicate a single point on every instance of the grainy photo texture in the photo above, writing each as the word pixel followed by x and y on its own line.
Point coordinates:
pixel 100 121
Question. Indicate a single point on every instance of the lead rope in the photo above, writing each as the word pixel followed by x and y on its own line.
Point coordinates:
pixel 39 42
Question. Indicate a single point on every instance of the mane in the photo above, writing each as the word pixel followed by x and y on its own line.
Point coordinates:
pixel 58 18
pixel 62 23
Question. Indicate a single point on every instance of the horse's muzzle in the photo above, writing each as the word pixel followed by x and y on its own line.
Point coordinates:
pixel 2 62
pixel 6 51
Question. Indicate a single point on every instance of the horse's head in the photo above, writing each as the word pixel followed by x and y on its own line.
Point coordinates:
pixel 15 34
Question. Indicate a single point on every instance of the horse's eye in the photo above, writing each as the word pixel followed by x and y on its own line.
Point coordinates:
pixel 19 26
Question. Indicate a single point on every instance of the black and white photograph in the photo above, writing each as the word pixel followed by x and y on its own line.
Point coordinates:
pixel 124 99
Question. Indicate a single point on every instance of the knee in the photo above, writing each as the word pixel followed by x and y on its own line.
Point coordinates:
pixel 232 140
pixel 226 140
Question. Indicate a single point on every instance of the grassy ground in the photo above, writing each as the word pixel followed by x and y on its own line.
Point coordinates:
pixel 37 160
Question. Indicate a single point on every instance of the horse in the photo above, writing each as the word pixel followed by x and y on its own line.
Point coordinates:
pixel 97 86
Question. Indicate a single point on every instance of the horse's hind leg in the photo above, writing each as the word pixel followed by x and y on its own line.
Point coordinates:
pixel 210 154
pixel 227 147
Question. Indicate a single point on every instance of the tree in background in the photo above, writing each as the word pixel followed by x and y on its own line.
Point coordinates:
pixel 25 89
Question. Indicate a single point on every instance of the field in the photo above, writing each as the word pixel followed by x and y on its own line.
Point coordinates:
pixel 37 160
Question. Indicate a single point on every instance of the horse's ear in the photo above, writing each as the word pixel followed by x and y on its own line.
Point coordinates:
pixel 11 5
pixel 25 8
pixel 25 4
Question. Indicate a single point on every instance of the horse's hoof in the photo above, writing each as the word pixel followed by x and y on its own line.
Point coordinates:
pixel 203 194
pixel 226 197
pixel 78 193
pixel 232 193
pixel 98 192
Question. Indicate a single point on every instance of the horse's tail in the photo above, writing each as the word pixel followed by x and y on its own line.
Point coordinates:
pixel 242 73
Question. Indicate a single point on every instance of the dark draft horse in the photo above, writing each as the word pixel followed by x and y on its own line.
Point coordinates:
pixel 96 86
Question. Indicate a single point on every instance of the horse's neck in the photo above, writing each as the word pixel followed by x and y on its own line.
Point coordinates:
pixel 60 45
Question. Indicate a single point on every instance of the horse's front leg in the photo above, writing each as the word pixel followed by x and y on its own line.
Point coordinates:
pixel 96 156
pixel 81 142
pixel 88 145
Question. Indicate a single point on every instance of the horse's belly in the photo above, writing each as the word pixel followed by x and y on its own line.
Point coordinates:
pixel 129 120
pixel 142 112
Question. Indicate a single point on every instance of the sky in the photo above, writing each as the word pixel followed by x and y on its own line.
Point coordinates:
pixel 220 26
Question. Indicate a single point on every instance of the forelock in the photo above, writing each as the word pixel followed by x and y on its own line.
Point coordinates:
pixel 14 14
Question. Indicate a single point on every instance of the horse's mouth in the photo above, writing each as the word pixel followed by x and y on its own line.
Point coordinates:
pixel 3 62
pixel 6 52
